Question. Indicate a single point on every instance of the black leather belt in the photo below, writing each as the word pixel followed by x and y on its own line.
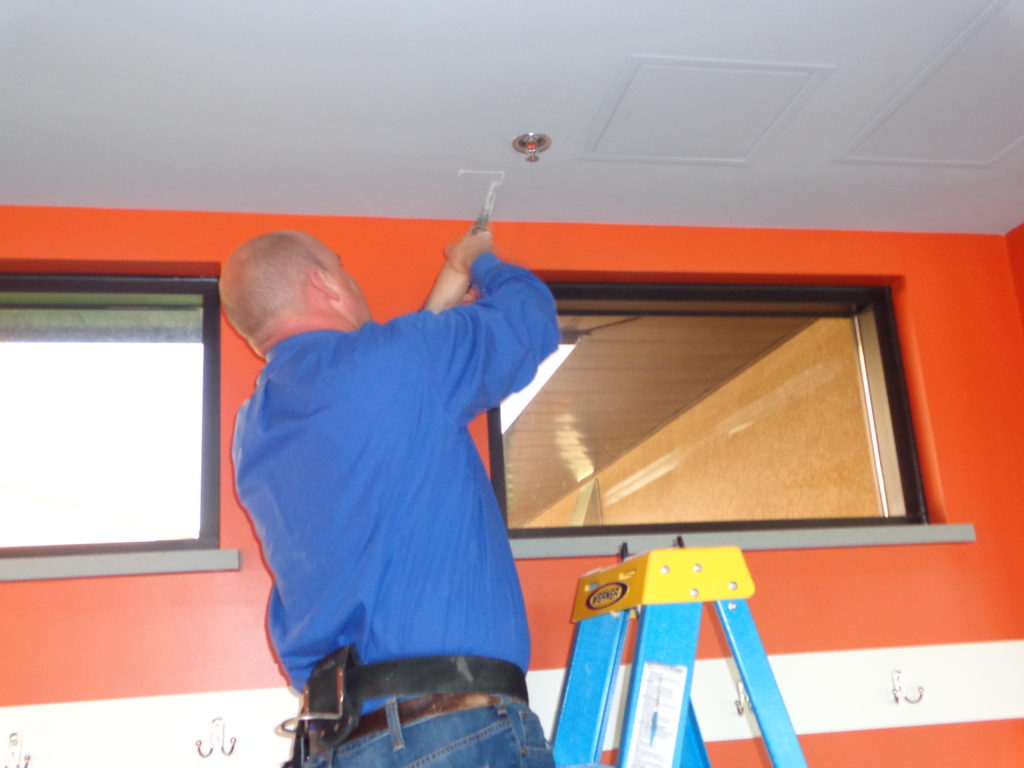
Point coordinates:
pixel 436 674
pixel 338 686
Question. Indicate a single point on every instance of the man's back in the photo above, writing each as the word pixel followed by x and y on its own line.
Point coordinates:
pixel 373 507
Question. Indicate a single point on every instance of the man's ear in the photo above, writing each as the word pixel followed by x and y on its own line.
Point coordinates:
pixel 324 284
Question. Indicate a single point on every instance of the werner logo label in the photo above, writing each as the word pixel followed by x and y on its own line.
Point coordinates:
pixel 606 595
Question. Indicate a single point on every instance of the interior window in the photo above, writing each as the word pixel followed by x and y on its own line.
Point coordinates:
pixel 681 408
pixel 108 400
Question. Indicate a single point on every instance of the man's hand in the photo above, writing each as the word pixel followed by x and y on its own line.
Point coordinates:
pixel 452 287
pixel 462 254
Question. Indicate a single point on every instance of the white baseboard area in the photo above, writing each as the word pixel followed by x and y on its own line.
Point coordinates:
pixel 845 690
pixel 156 731
pixel 824 692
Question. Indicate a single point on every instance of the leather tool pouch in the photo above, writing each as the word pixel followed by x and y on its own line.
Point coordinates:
pixel 333 707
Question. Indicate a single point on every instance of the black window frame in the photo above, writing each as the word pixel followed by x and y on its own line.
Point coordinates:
pixel 207 291
pixel 731 299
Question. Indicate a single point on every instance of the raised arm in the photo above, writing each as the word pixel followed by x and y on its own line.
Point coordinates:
pixel 453 285
pixel 478 354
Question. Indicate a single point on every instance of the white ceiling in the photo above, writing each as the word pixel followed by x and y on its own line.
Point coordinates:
pixel 840 114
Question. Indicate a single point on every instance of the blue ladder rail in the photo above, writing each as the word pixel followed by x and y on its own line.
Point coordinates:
pixel 589 685
pixel 759 681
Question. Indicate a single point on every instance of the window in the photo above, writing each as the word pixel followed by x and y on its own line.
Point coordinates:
pixel 109 403
pixel 710 413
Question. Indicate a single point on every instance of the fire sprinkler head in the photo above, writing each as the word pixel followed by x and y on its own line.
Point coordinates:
pixel 531 145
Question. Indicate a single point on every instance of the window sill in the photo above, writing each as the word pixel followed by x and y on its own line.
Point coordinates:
pixel 805 538
pixel 121 564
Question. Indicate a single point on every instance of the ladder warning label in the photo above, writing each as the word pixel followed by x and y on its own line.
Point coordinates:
pixel 659 711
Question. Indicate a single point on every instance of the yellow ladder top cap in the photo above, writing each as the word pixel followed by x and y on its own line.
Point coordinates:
pixel 661 576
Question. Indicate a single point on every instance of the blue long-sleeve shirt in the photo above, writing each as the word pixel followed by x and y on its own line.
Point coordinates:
pixel 374 511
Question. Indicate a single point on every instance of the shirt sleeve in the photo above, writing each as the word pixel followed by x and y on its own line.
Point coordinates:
pixel 483 352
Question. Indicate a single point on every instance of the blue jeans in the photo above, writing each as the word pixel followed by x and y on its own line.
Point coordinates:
pixel 507 735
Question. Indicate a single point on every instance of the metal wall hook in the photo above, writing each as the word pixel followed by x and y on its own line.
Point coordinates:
pixel 13 757
pixel 897 690
pixel 216 740
pixel 742 699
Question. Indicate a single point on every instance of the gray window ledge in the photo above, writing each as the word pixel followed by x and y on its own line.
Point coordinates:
pixel 802 538
pixel 121 564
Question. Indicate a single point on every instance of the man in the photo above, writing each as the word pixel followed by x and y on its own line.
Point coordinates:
pixel 374 512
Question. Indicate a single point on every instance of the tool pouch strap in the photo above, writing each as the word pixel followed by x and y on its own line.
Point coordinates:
pixel 332 703
pixel 330 707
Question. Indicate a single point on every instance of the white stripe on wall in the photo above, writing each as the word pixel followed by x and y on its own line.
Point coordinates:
pixel 824 692
pixel 846 690
pixel 158 732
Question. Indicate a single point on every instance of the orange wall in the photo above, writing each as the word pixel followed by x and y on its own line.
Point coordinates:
pixel 963 343
pixel 1015 246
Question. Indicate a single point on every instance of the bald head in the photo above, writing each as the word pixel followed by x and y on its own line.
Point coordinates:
pixel 287 282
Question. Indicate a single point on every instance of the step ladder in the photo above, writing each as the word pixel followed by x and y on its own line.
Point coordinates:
pixel 667 589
